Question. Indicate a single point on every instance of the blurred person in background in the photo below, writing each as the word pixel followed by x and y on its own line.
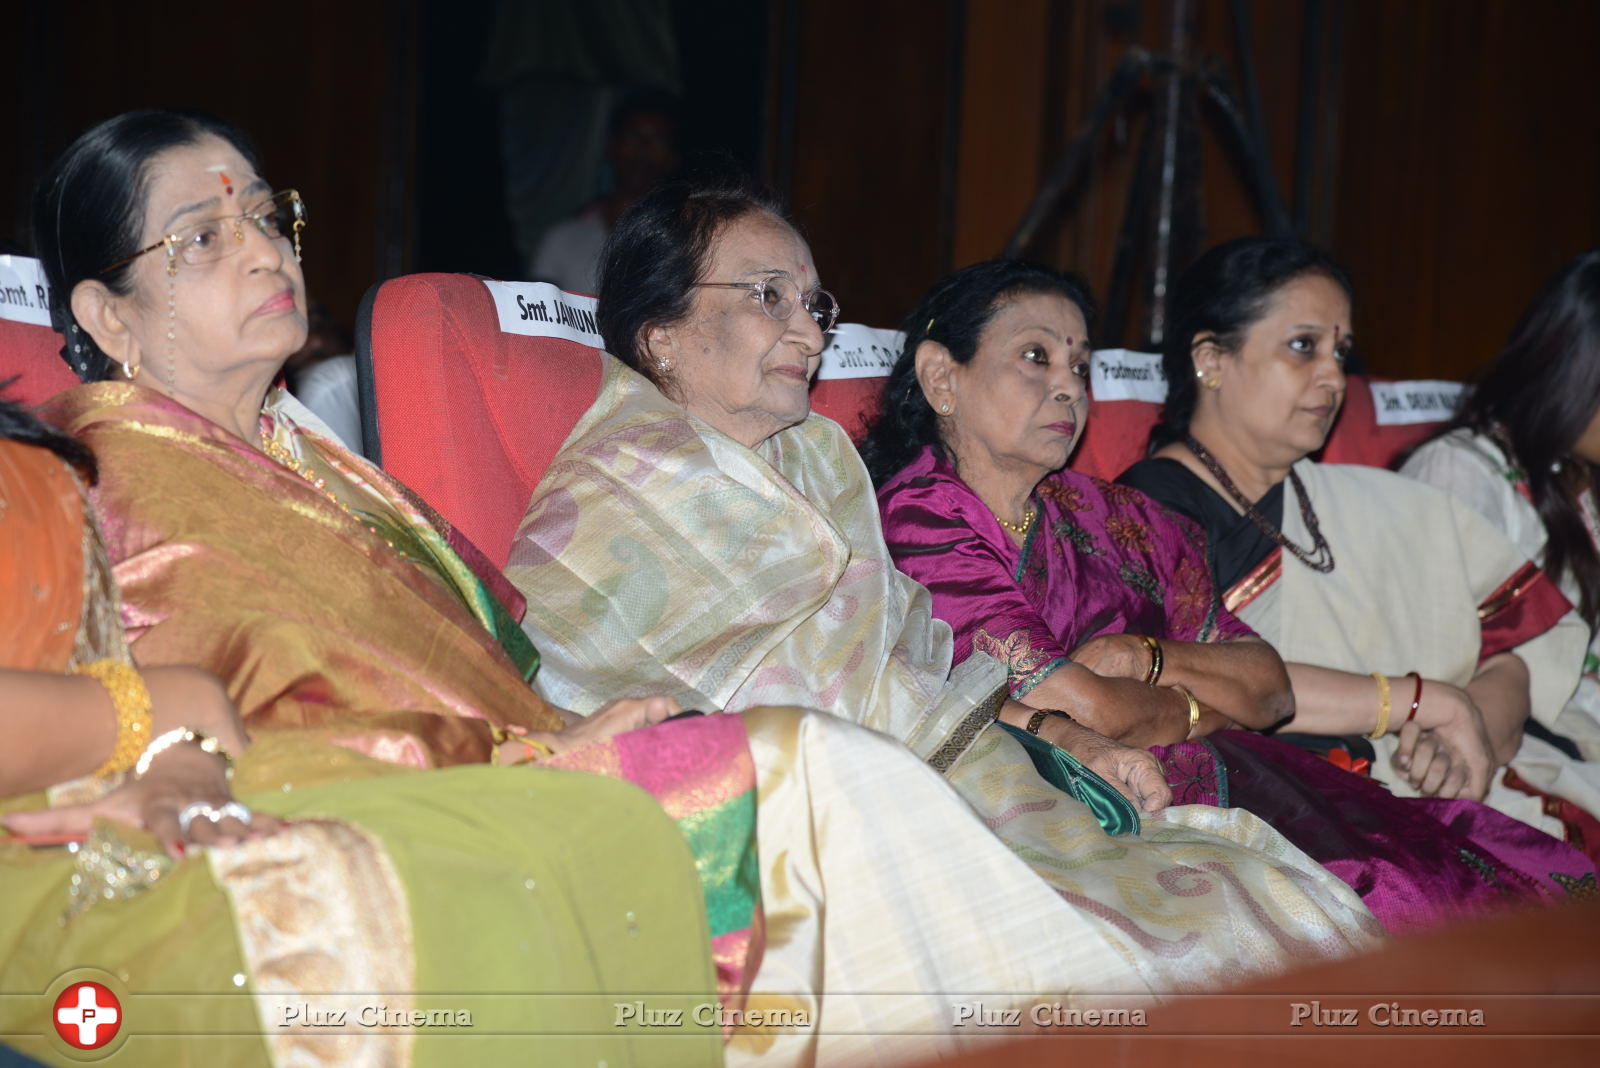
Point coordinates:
pixel 641 150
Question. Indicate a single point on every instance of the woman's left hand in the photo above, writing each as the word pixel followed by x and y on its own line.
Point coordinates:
pixel 1114 656
pixel 1432 765
pixel 181 779
pixel 1136 773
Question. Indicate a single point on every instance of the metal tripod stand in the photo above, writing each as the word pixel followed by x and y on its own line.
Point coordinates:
pixel 1162 211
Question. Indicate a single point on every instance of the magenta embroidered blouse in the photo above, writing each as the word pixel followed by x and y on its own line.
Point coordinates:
pixel 1101 558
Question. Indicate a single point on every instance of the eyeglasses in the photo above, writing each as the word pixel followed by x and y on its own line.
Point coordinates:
pixel 281 215
pixel 778 296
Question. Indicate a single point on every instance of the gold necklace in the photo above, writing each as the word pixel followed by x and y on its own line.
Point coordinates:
pixel 275 450
pixel 1019 529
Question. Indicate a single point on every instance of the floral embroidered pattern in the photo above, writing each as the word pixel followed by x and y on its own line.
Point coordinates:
pixel 1067 498
pixel 1016 651
pixel 1196 774
pixel 1143 581
pixel 1130 534
pixel 1080 539
pixel 1123 496
pixel 1582 889
pixel 1484 868
pixel 1191 599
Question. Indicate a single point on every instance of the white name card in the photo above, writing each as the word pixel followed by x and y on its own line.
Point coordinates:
pixel 24 294
pixel 539 309
pixel 1122 374
pixel 856 351
pixel 1408 403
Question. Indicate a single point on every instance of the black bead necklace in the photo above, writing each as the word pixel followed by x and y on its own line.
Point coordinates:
pixel 1321 556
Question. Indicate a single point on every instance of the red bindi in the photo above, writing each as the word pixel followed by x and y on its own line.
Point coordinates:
pixel 227 183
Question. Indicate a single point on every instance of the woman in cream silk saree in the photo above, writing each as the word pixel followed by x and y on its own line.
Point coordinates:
pixel 658 555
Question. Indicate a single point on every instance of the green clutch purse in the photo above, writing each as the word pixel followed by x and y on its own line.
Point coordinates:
pixel 1061 769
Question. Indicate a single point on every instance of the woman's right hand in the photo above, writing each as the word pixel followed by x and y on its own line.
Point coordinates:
pixel 1445 751
pixel 190 697
pixel 615 717
pixel 1136 773
pixel 180 777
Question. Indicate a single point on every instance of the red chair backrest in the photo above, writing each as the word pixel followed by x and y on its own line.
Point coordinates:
pixel 1382 419
pixel 1119 429
pixel 1128 389
pixel 469 387
pixel 469 414
pixel 849 385
pixel 30 351
pixel 464 412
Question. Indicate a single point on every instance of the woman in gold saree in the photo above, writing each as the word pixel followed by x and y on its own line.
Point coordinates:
pixel 700 536
pixel 358 640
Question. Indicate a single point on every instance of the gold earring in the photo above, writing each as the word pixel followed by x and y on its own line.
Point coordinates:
pixel 663 365
pixel 299 224
pixel 131 371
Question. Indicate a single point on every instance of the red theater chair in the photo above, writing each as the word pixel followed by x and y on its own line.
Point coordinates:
pixel 464 412
pixel 30 351
pixel 465 408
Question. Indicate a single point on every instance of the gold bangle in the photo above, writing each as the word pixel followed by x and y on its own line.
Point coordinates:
pixel 1152 676
pixel 183 736
pixel 130 700
pixel 1382 726
pixel 1194 706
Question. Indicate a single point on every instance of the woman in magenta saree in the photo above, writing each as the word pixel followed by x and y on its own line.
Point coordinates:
pixel 1077 575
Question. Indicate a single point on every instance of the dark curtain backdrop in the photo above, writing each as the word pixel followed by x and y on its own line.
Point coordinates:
pixel 1453 161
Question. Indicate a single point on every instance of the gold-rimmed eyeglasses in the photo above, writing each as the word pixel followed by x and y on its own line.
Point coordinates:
pixel 778 296
pixel 282 215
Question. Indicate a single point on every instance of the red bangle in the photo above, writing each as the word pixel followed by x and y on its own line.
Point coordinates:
pixel 1416 695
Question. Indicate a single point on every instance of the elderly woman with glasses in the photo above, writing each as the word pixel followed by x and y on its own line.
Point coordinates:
pixel 703 535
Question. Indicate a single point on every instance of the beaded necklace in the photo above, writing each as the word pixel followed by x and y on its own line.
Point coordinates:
pixel 1020 529
pixel 276 450
pixel 288 459
pixel 1322 560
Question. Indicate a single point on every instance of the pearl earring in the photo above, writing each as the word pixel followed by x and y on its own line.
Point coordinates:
pixel 944 409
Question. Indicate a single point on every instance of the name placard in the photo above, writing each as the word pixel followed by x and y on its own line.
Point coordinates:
pixel 24 294
pixel 1422 401
pixel 1123 374
pixel 539 309
pixel 856 351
